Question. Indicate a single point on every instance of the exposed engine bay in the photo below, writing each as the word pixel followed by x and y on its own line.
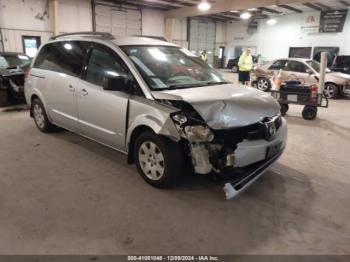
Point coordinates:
pixel 213 150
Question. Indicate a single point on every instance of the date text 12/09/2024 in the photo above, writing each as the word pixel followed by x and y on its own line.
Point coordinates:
pixel 173 258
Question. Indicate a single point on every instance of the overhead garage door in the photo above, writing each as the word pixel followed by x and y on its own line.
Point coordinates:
pixel 202 37
pixel 119 20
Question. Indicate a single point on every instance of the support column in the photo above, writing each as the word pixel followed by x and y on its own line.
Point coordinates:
pixel 53 5
pixel 169 29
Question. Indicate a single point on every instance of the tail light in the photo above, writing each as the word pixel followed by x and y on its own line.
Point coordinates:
pixel 26 73
pixel 313 91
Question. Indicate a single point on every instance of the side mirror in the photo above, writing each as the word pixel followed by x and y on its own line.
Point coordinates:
pixel 116 83
pixel 309 71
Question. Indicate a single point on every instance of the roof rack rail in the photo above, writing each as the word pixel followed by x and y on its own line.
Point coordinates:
pixel 103 35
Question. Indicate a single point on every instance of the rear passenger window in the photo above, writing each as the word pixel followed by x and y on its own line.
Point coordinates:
pixel 277 65
pixel 64 57
pixel 104 63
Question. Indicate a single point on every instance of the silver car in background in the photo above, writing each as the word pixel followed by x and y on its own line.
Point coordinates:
pixel 152 100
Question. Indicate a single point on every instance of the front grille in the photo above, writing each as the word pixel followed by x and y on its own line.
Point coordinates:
pixel 231 137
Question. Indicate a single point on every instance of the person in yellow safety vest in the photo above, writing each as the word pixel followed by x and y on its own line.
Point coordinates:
pixel 204 56
pixel 245 65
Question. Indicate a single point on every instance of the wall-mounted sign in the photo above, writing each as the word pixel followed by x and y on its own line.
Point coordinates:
pixel 311 22
pixel 332 21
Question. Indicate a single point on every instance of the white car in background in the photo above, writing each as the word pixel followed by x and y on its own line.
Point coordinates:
pixel 303 70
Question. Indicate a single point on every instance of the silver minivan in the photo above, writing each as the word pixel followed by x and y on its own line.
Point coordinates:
pixel 170 112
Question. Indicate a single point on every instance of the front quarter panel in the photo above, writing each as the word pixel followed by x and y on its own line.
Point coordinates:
pixel 152 114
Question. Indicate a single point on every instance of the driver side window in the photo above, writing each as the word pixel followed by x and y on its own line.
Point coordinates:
pixel 103 63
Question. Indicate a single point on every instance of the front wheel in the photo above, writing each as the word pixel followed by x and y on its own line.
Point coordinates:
pixel 331 91
pixel 159 160
pixel 263 84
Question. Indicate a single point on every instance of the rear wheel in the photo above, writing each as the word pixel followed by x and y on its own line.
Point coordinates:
pixel 40 118
pixel 263 84
pixel 234 69
pixel 3 98
pixel 159 161
pixel 331 91
pixel 309 112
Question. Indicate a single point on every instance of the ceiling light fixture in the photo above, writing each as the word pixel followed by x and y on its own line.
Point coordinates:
pixel 204 6
pixel 246 15
pixel 253 9
pixel 271 21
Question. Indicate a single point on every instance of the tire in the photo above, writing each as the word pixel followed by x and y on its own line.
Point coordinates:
pixel 263 84
pixel 3 98
pixel 159 161
pixel 331 90
pixel 284 109
pixel 309 112
pixel 40 117
pixel 234 69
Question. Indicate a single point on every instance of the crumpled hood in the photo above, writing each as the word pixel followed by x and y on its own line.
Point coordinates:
pixel 225 106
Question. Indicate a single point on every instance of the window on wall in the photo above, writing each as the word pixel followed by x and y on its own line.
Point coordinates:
pixel 31 45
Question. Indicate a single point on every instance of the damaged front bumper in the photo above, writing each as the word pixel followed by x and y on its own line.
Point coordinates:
pixel 248 175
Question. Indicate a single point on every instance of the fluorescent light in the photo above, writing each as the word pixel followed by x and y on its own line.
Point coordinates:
pixel 204 6
pixel 271 21
pixel 246 15
pixel 253 9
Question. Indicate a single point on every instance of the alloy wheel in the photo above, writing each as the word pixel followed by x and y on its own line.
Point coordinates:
pixel 263 84
pixel 151 160
pixel 39 116
pixel 329 91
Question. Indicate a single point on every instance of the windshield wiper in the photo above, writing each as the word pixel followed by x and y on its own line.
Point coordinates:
pixel 213 83
pixel 178 86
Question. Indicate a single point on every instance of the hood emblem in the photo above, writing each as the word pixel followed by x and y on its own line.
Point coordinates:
pixel 270 129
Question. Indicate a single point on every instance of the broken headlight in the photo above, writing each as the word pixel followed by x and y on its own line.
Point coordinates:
pixel 199 134
pixel 192 129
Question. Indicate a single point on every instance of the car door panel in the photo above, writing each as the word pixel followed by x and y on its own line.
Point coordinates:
pixel 60 93
pixel 102 114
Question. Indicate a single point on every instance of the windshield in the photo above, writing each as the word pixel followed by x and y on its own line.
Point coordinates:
pixel 7 61
pixel 165 67
pixel 316 66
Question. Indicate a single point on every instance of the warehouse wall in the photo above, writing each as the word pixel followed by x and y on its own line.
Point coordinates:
pixel 153 22
pixel 274 41
pixel 33 18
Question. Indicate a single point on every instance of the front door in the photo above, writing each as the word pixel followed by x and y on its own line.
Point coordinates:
pixel 102 113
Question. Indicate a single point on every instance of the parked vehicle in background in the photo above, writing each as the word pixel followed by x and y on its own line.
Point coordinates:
pixel 341 64
pixel 233 63
pixel 155 102
pixel 12 71
pixel 304 70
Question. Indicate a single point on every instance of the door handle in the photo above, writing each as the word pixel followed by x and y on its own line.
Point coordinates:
pixel 84 92
pixel 71 88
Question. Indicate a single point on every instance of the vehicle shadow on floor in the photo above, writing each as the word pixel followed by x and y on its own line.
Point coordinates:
pixel 278 203
pixel 325 124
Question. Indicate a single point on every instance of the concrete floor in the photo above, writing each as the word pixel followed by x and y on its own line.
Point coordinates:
pixel 63 194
